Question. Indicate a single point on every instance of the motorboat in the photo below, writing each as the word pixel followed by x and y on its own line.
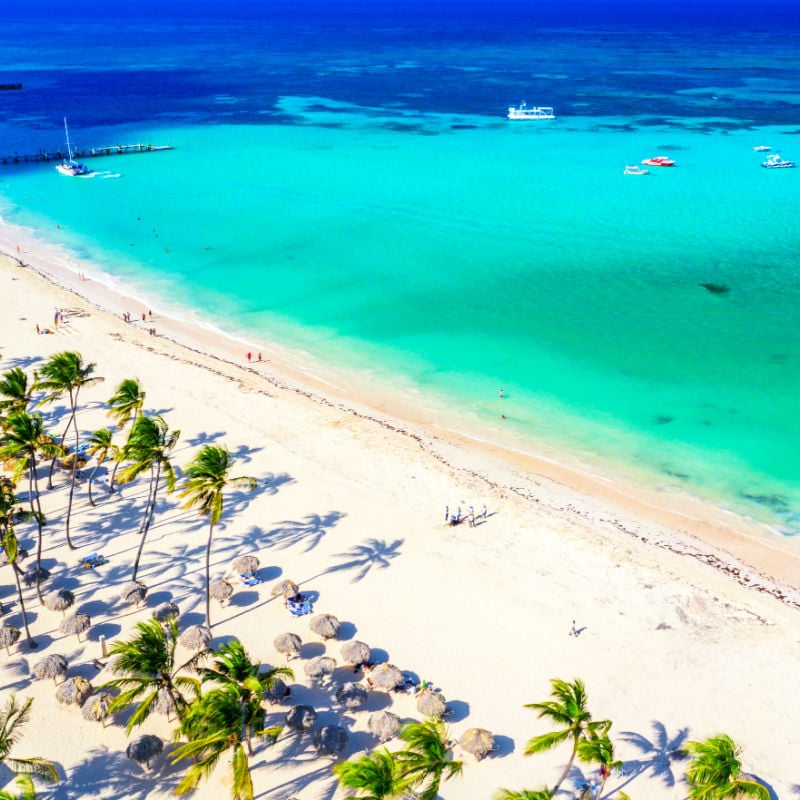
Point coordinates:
pixel 71 167
pixel 776 162
pixel 761 148
pixel 535 112
pixel 658 161
pixel 635 169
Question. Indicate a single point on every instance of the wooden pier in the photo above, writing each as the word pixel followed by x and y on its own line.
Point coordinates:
pixel 79 154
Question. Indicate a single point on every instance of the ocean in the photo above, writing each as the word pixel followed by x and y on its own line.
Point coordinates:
pixel 344 183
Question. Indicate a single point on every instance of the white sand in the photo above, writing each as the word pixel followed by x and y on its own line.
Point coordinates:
pixel 350 505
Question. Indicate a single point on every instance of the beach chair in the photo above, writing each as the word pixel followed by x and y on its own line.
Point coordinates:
pixel 248 579
pixel 86 559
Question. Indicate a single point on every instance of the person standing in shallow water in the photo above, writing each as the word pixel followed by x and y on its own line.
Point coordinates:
pixel 249 356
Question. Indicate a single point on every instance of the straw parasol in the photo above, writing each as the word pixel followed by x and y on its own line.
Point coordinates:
pixel 356 653
pixel 166 611
pixel 319 667
pixel 245 565
pixel 285 589
pixel 276 692
pixel 301 718
pixel 384 725
pixel 196 637
pixel 52 666
pixel 385 676
pixel 220 590
pixel 351 695
pixel 431 704
pixel 8 636
pixel 144 749
pixel 325 625
pixel 330 740
pixel 59 600
pixel 478 742
pixel 75 623
pixel 289 644
pixel 30 576
pixel 73 691
pixel 95 708
pixel 133 593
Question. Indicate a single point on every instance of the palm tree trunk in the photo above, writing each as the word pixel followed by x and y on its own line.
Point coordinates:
pixel 33 484
pixel 208 575
pixel 53 460
pixel 566 769
pixel 74 465
pixel 91 478
pixel 150 491
pixel 148 516
pixel 31 643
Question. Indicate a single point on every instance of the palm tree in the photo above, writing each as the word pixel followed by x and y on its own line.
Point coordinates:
pixel 15 391
pixel 206 481
pixel 214 724
pixel 12 719
pixel 65 373
pixel 426 759
pixel 11 548
pixel 715 772
pixel 524 794
pixel 23 439
pixel 568 710
pixel 375 776
pixel 597 748
pixel 148 448
pixel 27 791
pixel 147 664
pixel 125 405
pixel 232 666
pixel 101 447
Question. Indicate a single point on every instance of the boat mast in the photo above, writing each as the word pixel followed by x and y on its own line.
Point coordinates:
pixel 66 131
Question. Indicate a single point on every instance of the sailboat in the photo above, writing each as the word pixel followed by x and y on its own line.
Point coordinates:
pixel 72 168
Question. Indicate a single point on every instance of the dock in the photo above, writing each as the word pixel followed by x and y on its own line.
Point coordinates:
pixel 10 87
pixel 79 154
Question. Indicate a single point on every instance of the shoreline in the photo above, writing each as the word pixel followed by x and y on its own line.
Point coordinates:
pixel 688 526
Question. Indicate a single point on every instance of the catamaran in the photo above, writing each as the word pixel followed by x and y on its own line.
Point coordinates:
pixel 71 167
pixel 536 112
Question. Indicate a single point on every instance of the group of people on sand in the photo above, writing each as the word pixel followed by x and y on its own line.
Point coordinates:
pixel 458 517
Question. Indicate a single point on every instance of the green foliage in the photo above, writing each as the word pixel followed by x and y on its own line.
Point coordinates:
pixel 427 759
pixel 126 402
pixel 714 772
pixel 12 720
pixel 374 776
pixel 523 794
pixel 15 391
pixel 27 791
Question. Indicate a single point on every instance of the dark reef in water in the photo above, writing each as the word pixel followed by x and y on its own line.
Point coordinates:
pixel 664 419
pixel 716 288
pixel 771 501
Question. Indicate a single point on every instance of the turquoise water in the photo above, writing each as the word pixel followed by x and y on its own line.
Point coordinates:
pixel 467 254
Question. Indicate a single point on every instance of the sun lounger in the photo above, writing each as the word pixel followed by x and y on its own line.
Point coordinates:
pixel 300 609
pixel 87 558
pixel 92 561
pixel 248 579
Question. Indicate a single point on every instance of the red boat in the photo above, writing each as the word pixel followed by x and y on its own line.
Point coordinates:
pixel 659 161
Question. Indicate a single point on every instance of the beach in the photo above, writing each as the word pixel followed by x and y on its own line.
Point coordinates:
pixel 685 611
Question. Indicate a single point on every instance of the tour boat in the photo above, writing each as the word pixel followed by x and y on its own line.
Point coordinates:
pixel 634 169
pixel 71 167
pixel 776 162
pixel 762 148
pixel 536 112
pixel 658 161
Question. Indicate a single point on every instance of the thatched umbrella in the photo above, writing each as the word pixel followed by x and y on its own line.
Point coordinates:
pixel 144 749
pixel 59 600
pixel 166 611
pixel 52 666
pixel 73 691
pixel 285 589
pixel 330 740
pixel 319 667
pixel 95 708
pixel 245 565
pixel 351 695
pixel 356 653
pixel 30 576
pixel 478 742
pixel 289 644
pixel 196 637
pixel 8 636
pixel 301 718
pixel 277 692
pixel 325 625
pixel 75 623
pixel 384 725
pixel 133 593
pixel 385 676
pixel 431 704
pixel 220 590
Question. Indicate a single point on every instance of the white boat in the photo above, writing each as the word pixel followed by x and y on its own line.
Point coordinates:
pixel 762 148
pixel 635 169
pixel 776 162
pixel 71 167
pixel 535 112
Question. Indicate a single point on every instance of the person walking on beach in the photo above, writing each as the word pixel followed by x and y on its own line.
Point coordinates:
pixel 249 356
pixel 446 508
pixel 573 631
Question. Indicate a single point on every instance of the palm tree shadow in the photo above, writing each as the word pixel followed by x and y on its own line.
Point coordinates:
pixel 311 530
pixel 273 482
pixel 295 786
pixel 363 557
pixel 658 754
